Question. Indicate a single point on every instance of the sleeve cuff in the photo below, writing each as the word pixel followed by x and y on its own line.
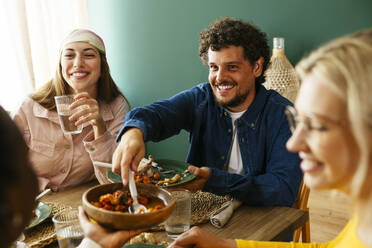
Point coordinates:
pixel 216 183
pixel 132 124
pixel 88 243
pixel 43 183
pixel 91 145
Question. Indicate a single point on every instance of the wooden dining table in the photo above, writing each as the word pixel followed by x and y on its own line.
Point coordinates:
pixel 251 223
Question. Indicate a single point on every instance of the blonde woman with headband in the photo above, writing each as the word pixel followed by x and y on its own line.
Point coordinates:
pixel 332 132
pixel 61 160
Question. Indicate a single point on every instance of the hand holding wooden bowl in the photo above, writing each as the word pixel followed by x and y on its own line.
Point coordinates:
pixel 127 221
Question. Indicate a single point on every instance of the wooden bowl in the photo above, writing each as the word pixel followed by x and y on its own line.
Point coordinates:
pixel 119 220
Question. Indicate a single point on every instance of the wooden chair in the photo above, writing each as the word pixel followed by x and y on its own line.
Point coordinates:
pixel 301 203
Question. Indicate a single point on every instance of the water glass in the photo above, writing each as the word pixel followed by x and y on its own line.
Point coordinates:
pixel 62 104
pixel 179 221
pixel 67 226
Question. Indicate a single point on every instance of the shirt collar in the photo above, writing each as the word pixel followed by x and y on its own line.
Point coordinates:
pixel 257 106
pixel 252 113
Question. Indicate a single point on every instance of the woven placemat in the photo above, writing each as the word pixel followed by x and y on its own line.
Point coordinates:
pixel 202 205
pixel 44 233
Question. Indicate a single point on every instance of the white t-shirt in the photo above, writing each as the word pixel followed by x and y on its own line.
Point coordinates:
pixel 235 161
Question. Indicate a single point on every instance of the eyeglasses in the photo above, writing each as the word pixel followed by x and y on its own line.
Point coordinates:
pixel 310 121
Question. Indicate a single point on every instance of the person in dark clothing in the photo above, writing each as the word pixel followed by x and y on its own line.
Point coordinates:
pixel 237 129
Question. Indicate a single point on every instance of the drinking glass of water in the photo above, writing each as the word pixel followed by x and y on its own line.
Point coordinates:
pixel 64 112
pixel 67 225
pixel 179 221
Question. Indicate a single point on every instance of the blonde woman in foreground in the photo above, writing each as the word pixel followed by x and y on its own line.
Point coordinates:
pixel 332 132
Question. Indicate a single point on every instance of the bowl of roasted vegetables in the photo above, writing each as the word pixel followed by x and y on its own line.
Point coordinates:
pixel 108 204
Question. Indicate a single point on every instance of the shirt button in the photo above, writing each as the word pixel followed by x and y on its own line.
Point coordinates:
pixel 252 124
pixel 63 171
pixel 67 147
pixel 222 157
pixel 229 130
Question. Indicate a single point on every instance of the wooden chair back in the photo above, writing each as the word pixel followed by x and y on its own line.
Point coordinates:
pixel 301 203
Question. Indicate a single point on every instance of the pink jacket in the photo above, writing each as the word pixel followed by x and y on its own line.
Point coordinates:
pixel 62 160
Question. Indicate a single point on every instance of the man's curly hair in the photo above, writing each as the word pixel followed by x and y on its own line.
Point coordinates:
pixel 229 32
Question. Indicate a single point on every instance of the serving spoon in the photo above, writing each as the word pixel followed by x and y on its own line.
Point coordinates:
pixel 155 165
pixel 136 207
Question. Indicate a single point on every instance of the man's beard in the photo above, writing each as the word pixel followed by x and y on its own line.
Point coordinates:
pixel 236 101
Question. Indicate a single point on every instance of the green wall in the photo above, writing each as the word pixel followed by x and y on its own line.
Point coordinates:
pixel 152 45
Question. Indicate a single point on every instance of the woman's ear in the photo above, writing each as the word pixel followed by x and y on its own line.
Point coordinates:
pixel 257 67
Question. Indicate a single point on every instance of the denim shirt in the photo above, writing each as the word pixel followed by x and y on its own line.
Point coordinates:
pixel 272 174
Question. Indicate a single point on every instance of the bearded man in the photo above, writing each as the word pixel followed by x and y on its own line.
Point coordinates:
pixel 237 129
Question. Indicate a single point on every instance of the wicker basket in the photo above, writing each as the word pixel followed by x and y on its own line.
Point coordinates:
pixel 281 76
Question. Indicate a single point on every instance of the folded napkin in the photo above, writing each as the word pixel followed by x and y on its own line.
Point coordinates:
pixel 220 217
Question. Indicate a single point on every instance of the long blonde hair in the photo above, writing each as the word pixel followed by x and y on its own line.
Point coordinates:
pixel 346 64
pixel 107 90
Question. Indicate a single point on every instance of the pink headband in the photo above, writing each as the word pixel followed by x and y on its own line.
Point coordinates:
pixel 85 35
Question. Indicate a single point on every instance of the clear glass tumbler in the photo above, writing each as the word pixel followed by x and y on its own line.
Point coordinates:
pixel 62 104
pixel 67 225
pixel 179 221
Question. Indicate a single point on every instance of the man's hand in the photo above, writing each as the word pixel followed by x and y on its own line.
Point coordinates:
pixel 129 153
pixel 202 175
pixel 102 236
pixel 201 239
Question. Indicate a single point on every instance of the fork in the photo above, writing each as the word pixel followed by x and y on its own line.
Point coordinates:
pixel 45 192
pixel 157 166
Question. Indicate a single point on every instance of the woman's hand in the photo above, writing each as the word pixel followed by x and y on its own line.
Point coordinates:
pixel 102 236
pixel 201 239
pixel 88 111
